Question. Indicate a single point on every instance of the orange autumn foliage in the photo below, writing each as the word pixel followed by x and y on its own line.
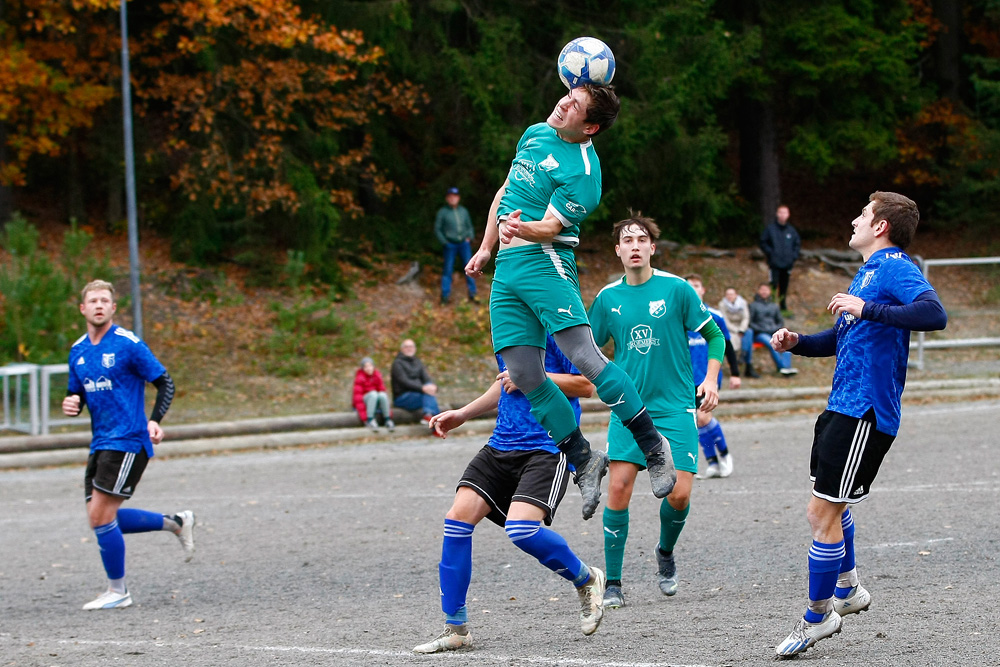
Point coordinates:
pixel 246 86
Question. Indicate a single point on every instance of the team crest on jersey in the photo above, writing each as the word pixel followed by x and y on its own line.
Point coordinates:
pixel 548 164
pixel 867 279
pixel 576 209
pixel 658 308
pixel 642 339
pixel 108 360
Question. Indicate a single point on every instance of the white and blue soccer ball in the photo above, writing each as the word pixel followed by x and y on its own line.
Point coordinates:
pixel 586 60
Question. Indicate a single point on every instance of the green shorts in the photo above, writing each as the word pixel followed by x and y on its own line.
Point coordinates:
pixel 680 430
pixel 535 289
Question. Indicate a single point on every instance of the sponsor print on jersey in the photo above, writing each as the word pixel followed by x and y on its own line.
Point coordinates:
pixel 576 209
pixel 548 164
pixel 641 339
pixel 658 308
pixel 524 171
pixel 867 279
pixel 108 360
pixel 102 384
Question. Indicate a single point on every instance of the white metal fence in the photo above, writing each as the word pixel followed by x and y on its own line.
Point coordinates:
pixel 921 344
pixel 27 398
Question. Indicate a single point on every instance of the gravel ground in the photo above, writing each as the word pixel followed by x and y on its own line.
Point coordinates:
pixel 329 556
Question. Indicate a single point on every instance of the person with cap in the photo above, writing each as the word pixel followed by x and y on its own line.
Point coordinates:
pixel 453 228
pixel 369 396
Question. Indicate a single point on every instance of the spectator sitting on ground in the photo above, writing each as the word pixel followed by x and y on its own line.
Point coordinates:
pixel 412 388
pixel 765 319
pixel 735 311
pixel 369 397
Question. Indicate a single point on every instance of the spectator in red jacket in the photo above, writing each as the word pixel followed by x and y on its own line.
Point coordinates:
pixel 370 397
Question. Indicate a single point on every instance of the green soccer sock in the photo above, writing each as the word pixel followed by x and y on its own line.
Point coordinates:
pixel 618 392
pixel 615 535
pixel 671 524
pixel 552 410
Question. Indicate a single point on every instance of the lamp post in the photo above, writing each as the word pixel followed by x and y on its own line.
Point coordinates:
pixel 133 231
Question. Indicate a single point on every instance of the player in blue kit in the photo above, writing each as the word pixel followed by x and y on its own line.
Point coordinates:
pixel 516 481
pixel 108 371
pixel 713 442
pixel 888 298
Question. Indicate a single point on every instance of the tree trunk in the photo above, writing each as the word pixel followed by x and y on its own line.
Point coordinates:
pixel 6 192
pixel 76 209
pixel 947 48
pixel 759 177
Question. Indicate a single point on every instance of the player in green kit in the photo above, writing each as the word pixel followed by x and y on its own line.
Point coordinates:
pixel 553 184
pixel 648 314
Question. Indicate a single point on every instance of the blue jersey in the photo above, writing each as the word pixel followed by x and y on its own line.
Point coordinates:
pixel 516 428
pixel 871 357
pixel 699 348
pixel 113 376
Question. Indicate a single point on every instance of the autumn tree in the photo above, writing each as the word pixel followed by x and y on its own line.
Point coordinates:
pixel 56 73
pixel 266 116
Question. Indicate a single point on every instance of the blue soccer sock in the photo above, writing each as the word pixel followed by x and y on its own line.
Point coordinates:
pixel 549 548
pixel 139 521
pixel 112 545
pixel 455 570
pixel 712 440
pixel 824 566
pixel 848 578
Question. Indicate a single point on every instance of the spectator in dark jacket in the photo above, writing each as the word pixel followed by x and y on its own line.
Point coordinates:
pixel 781 244
pixel 369 396
pixel 412 388
pixel 765 319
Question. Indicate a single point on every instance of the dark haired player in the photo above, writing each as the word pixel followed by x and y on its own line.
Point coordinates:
pixel 553 184
pixel 888 298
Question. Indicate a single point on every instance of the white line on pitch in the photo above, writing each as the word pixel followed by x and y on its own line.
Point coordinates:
pixel 494 657
pixel 890 545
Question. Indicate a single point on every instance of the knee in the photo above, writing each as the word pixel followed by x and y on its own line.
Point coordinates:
pixel 679 498
pixel 619 493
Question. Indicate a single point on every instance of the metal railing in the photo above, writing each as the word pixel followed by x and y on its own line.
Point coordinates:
pixel 921 344
pixel 15 374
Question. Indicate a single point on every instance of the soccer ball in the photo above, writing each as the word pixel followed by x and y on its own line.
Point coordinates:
pixel 586 60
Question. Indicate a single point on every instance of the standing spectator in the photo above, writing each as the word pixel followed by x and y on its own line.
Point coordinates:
pixel 781 244
pixel 369 396
pixel 453 229
pixel 736 312
pixel 888 298
pixel 412 388
pixel 765 319
pixel 108 371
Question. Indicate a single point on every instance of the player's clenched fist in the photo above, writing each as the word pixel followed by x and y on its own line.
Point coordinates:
pixel 71 405
pixel 783 340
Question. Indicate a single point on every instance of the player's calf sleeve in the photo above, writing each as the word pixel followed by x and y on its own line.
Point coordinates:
pixel 139 521
pixel 549 548
pixel 617 390
pixel 824 567
pixel 112 546
pixel 455 570
pixel 848 578
pixel 552 410
pixel 712 439
pixel 672 522
pixel 615 536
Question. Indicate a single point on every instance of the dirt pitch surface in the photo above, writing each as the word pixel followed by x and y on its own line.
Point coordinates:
pixel 328 556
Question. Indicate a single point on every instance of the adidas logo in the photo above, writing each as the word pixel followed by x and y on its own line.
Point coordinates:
pixel 80 362
pixel 859 490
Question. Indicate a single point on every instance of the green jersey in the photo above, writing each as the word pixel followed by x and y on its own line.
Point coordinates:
pixel 649 324
pixel 549 174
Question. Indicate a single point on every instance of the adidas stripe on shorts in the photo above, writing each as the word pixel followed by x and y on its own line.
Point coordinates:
pixel 114 473
pixel 846 455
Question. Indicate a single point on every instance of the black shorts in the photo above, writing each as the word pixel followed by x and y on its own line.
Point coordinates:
pixel 846 455
pixel 528 476
pixel 114 473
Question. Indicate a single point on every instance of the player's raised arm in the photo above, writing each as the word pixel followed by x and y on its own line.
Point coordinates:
pixel 490 237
